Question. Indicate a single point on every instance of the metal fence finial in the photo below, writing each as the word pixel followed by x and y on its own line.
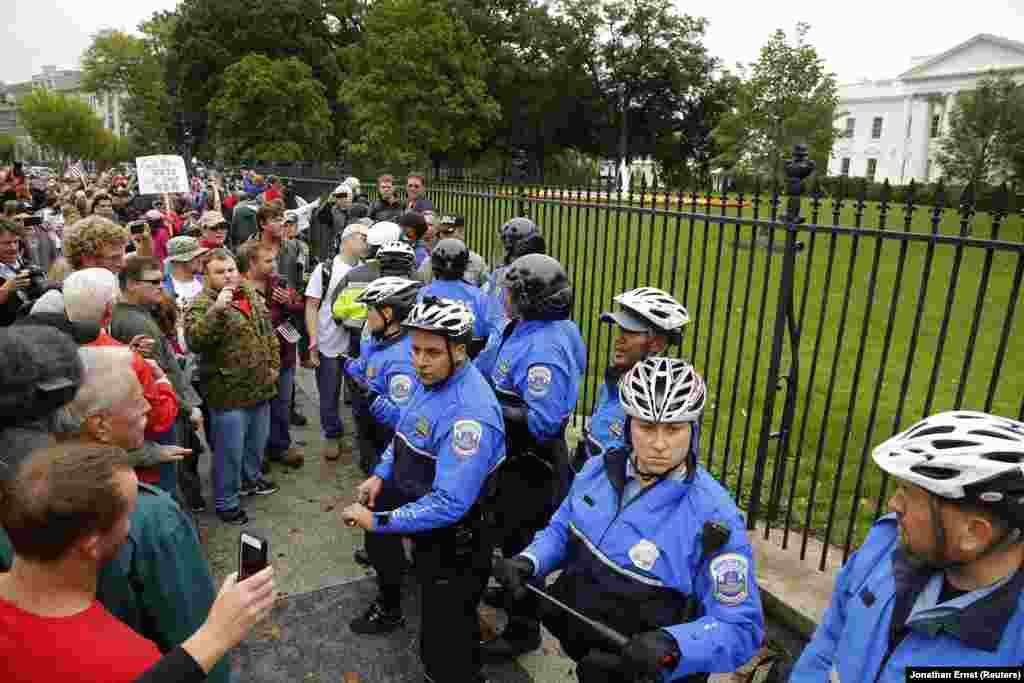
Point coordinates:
pixel 797 168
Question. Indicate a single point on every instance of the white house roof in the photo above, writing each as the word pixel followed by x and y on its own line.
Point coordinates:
pixel 983 52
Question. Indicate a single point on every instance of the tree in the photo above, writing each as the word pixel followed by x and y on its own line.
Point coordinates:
pixel 785 97
pixel 211 35
pixel 133 67
pixel 63 125
pixel 270 109
pixel 985 141
pixel 420 90
pixel 8 147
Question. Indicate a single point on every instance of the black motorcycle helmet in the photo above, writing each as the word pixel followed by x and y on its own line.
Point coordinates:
pixel 521 236
pixel 449 259
pixel 539 288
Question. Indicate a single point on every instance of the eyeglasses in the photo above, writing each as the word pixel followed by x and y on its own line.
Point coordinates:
pixel 154 281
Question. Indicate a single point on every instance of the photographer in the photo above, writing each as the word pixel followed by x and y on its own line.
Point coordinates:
pixel 20 282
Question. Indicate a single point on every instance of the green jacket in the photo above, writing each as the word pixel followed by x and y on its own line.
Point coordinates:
pixel 159 584
pixel 240 355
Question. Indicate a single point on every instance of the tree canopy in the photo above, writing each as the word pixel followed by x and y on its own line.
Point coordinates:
pixel 271 109
pixel 985 140
pixel 785 97
pixel 418 89
pixel 66 126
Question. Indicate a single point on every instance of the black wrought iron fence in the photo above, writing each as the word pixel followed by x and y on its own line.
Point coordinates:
pixel 821 327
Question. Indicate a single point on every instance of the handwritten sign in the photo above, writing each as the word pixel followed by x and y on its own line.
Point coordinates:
pixel 162 173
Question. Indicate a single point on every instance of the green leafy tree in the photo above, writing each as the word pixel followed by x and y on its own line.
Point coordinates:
pixel 783 98
pixel 985 141
pixel 64 125
pixel 419 88
pixel 211 35
pixel 8 147
pixel 133 67
pixel 270 109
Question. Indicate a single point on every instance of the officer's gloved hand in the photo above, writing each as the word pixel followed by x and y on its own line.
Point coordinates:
pixel 512 573
pixel 651 652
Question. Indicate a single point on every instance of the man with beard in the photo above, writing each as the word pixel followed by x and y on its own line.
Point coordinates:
pixel 938 581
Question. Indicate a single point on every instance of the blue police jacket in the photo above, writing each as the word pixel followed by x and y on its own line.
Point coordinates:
pixel 421 253
pixel 608 423
pixel 495 294
pixel 854 643
pixel 385 367
pixel 485 323
pixel 449 440
pixel 636 561
pixel 541 363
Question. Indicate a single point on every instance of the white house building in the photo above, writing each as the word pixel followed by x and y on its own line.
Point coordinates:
pixel 890 128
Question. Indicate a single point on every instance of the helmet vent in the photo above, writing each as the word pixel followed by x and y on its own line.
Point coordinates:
pixel 935 472
pixel 994 435
pixel 953 443
pixel 931 431
pixel 1012 458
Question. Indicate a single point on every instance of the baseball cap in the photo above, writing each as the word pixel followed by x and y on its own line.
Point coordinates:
pixel 342 189
pixel 627 321
pixel 450 222
pixel 183 249
pixel 212 219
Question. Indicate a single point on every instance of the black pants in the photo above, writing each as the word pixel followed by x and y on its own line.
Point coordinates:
pixel 387 555
pixel 452 573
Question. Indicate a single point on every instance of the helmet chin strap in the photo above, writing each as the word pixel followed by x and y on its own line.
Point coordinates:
pixel 942 563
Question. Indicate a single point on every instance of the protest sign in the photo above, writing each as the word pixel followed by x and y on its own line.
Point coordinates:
pixel 161 173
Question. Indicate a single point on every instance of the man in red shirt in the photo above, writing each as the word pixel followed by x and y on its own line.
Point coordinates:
pixel 67 511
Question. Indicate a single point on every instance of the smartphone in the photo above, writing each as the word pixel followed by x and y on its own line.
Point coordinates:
pixel 253 552
pixel 137 228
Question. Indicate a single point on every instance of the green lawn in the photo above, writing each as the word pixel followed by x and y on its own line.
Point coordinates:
pixel 845 287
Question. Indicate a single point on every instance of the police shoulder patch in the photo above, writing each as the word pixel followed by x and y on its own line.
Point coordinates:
pixel 538 380
pixel 422 428
pixel 615 428
pixel 730 575
pixel 400 388
pixel 466 436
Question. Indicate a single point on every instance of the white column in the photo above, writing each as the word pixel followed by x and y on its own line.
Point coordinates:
pixel 920 141
pixel 947 110
pixel 908 111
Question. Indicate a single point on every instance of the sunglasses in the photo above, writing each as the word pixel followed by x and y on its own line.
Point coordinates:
pixel 153 281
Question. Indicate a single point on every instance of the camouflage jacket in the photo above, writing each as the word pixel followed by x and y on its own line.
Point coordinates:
pixel 240 355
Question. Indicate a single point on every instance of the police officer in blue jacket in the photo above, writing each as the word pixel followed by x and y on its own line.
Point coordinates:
pixel 535 366
pixel 383 379
pixel 448 262
pixel 938 582
pixel 448 444
pixel 519 237
pixel 650 545
pixel 649 320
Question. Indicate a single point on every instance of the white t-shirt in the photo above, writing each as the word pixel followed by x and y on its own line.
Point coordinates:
pixel 185 293
pixel 332 339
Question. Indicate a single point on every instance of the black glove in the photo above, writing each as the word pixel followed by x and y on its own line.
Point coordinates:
pixel 512 573
pixel 650 652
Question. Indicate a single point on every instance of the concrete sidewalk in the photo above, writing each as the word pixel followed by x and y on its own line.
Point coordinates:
pixel 311 550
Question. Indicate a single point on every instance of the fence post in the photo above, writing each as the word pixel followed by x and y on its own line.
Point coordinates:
pixel 797 169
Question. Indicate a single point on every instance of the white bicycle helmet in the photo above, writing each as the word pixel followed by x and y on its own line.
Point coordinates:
pixel 963 456
pixel 647 309
pixel 447 317
pixel 660 389
pixel 383 232
pixel 396 248
pixel 385 290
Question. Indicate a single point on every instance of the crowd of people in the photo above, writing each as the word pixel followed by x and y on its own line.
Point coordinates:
pixel 121 370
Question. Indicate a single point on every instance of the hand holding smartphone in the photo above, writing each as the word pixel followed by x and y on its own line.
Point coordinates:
pixel 253 552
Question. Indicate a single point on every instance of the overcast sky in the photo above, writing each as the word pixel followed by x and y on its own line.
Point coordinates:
pixel 859 39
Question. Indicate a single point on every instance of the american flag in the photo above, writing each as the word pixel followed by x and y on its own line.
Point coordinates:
pixel 75 170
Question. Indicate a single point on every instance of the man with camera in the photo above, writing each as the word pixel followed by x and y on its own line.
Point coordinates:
pixel 22 283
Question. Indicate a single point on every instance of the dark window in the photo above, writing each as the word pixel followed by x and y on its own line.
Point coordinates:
pixel 846 166
pixel 876 128
pixel 872 167
pixel 936 126
pixel 850 124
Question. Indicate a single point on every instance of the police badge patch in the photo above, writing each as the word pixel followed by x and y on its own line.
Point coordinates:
pixel 400 388
pixel 615 428
pixel 466 435
pixel 730 574
pixel 644 554
pixel 539 381
pixel 422 428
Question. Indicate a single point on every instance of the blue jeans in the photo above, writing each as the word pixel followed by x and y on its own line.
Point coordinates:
pixel 238 455
pixel 281 412
pixel 328 381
